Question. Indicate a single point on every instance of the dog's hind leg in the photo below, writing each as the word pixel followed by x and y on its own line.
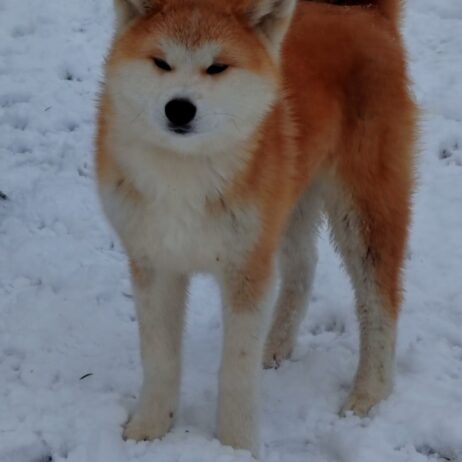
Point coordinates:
pixel 370 230
pixel 298 257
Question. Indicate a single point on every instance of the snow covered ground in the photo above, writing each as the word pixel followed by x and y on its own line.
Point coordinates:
pixel 69 366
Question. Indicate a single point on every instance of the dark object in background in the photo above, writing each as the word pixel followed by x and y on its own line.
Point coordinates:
pixel 3 196
pixel 344 2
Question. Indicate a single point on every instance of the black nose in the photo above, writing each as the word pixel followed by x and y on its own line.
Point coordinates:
pixel 180 112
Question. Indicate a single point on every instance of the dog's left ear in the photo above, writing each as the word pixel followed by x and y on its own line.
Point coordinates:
pixel 126 10
pixel 271 18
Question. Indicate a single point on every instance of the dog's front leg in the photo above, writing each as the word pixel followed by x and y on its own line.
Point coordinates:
pixel 248 305
pixel 160 301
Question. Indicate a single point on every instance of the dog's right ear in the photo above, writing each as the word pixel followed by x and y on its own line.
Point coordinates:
pixel 126 10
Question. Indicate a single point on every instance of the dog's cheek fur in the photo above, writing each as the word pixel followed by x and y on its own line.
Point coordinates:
pixel 224 111
pixel 139 91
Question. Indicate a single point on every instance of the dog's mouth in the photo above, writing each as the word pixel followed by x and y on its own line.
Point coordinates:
pixel 181 130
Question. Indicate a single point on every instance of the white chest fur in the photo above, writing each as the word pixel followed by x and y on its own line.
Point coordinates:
pixel 180 222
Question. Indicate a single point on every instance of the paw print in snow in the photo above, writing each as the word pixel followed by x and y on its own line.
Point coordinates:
pixel 451 152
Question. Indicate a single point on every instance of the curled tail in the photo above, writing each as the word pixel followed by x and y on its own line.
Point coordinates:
pixel 388 8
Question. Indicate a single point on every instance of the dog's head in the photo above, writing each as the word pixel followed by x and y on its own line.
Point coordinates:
pixel 196 76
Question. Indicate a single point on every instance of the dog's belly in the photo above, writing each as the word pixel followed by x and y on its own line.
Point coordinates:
pixel 182 236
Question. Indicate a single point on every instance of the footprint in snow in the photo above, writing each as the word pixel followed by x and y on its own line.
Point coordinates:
pixel 450 152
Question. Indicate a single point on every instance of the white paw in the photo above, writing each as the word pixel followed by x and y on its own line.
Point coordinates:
pixel 240 440
pixel 147 428
pixel 277 351
pixel 361 402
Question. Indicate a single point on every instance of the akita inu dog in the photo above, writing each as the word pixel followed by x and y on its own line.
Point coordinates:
pixel 225 129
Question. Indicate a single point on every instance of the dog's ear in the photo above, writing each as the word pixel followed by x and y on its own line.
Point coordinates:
pixel 271 18
pixel 126 10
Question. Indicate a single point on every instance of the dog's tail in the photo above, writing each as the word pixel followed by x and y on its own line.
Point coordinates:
pixel 391 9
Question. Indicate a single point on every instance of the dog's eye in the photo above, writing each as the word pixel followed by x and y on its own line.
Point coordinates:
pixel 216 68
pixel 161 64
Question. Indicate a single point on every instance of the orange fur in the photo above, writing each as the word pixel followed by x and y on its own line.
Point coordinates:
pixel 342 116
pixel 345 79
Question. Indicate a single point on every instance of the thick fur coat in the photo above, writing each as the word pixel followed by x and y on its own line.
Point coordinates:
pixel 226 129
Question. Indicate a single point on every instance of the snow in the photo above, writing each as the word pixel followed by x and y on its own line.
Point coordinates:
pixel 65 299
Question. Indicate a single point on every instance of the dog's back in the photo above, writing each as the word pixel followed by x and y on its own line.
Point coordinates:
pixel 388 8
pixel 345 73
